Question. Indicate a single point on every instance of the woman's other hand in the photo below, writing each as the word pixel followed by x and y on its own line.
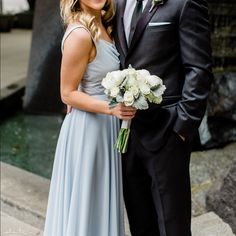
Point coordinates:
pixel 69 109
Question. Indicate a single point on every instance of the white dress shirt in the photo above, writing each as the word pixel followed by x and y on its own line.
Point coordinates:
pixel 129 9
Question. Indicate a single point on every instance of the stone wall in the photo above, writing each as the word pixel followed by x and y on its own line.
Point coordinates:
pixel 221 109
pixel 222 105
pixel 222 197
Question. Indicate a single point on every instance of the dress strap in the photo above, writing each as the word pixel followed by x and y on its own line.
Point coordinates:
pixel 70 30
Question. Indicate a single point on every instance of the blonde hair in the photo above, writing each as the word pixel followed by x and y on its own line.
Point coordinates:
pixel 71 12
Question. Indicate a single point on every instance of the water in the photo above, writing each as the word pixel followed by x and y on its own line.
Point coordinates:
pixel 29 141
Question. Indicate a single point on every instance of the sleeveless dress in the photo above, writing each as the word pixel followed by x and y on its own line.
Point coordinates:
pixel 85 197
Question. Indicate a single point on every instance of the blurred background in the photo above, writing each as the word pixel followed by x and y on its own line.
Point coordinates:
pixel 31 114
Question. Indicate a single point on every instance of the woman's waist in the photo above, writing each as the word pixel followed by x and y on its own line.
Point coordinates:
pixel 99 96
pixel 97 91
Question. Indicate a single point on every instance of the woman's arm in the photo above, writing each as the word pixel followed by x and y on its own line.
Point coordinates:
pixel 78 52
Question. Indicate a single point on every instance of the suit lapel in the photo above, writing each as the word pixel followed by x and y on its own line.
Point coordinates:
pixel 120 25
pixel 143 21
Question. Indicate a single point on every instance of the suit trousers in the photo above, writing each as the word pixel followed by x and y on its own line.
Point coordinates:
pixel 157 189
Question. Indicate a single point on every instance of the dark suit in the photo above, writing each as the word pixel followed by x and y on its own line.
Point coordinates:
pixel 156 166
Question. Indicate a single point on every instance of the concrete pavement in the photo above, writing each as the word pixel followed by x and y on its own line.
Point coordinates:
pixel 24 201
pixel 11 226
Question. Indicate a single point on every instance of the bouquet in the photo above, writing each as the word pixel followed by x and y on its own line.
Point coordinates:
pixel 134 88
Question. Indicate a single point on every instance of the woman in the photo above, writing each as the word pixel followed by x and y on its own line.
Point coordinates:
pixel 85 197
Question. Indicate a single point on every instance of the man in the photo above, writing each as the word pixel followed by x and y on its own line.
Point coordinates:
pixel 169 38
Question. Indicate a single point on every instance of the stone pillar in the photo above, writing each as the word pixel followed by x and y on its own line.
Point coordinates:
pixel 43 80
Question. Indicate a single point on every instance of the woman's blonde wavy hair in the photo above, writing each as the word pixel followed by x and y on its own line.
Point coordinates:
pixel 71 12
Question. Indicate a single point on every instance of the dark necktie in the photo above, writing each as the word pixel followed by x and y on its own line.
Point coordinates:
pixel 135 17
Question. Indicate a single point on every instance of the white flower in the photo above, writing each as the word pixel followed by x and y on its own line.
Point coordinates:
pixel 113 79
pixel 117 77
pixel 114 92
pixel 143 73
pixel 106 82
pixel 153 80
pixel 128 98
pixel 134 90
pixel 144 88
pixel 124 72
pixel 157 100
pixel 131 80
pixel 141 79
pixel 130 71
pixel 132 84
pixel 159 91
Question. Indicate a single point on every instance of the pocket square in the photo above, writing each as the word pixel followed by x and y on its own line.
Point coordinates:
pixel 158 23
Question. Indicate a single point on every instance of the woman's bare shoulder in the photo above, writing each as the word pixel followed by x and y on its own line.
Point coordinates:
pixel 78 38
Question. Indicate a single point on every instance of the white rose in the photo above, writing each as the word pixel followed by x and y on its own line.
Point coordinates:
pixel 143 73
pixel 141 78
pixel 130 71
pixel 153 80
pixel 144 88
pixel 157 100
pixel 128 98
pixel 125 72
pixel 107 82
pixel 159 92
pixel 114 92
pixel 134 90
pixel 113 79
pixel 131 80
pixel 117 77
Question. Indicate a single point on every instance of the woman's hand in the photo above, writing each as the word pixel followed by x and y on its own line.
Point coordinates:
pixel 123 112
pixel 69 109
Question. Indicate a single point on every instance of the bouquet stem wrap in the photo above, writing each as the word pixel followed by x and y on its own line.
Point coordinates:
pixel 123 137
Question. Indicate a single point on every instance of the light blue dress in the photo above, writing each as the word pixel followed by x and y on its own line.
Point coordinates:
pixel 85 197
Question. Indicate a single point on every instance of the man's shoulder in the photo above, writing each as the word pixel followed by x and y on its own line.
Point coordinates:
pixel 179 5
pixel 175 6
pixel 182 3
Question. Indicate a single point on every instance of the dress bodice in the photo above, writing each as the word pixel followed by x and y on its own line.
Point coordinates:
pixel 106 60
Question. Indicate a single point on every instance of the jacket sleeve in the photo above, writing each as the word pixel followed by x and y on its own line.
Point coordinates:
pixel 195 50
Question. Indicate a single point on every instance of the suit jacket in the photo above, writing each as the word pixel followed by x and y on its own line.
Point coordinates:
pixel 173 42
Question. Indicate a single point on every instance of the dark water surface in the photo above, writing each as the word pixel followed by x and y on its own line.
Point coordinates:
pixel 29 141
